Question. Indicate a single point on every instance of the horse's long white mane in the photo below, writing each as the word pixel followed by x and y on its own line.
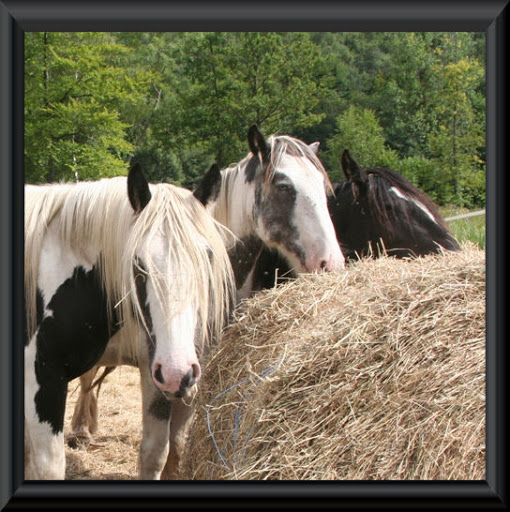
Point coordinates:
pixel 96 221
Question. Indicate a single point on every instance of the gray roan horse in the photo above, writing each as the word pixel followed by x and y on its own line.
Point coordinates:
pixel 145 265
pixel 276 197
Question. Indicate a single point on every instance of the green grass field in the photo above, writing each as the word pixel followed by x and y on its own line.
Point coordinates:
pixel 472 228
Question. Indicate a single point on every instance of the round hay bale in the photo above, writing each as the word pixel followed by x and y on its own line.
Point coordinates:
pixel 375 373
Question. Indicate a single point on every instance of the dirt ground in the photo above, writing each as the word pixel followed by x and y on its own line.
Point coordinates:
pixel 113 454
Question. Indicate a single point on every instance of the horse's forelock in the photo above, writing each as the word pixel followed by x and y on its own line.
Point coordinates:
pixel 279 146
pixel 282 145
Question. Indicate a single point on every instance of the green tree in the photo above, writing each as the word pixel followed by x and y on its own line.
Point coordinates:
pixel 75 88
pixel 176 102
pixel 359 131
pixel 228 81
pixel 459 136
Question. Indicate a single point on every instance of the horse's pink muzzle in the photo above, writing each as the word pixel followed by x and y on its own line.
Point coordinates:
pixel 176 381
pixel 325 258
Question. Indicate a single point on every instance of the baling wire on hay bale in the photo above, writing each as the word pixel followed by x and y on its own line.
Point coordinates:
pixel 374 373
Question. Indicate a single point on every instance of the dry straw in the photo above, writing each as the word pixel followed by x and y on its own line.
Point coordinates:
pixel 376 373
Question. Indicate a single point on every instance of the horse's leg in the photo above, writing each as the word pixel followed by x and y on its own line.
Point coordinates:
pixel 44 422
pixel 85 416
pixel 84 422
pixel 156 424
pixel 180 424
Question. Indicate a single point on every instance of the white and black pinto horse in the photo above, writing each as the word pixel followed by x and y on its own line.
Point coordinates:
pixel 274 198
pixel 377 211
pixel 145 265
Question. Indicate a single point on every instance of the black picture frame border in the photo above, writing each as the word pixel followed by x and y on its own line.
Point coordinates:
pixel 18 16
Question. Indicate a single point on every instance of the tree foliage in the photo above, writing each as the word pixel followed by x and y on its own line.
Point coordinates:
pixel 359 130
pixel 75 92
pixel 176 102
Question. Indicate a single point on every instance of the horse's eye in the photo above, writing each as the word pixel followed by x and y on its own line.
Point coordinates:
pixel 140 277
pixel 283 187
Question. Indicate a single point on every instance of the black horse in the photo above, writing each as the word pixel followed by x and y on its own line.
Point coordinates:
pixel 375 211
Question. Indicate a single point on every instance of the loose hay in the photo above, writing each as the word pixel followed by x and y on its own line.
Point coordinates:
pixel 377 373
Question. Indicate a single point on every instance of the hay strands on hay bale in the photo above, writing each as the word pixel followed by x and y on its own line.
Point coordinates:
pixel 373 373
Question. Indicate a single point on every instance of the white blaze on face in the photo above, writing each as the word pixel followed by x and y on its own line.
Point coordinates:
pixel 317 235
pixel 175 354
pixel 420 205
pixel 174 333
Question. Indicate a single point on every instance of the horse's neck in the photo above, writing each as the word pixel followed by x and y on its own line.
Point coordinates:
pixel 234 209
pixel 234 205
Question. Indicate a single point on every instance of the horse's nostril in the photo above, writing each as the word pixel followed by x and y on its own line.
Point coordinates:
pixel 158 375
pixel 196 372
pixel 190 378
pixel 323 264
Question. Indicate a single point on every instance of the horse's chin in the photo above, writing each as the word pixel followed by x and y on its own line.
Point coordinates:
pixel 187 393
pixel 174 396
pixel 297 265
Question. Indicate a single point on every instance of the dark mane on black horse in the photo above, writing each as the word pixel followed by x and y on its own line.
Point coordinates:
pixel 380 196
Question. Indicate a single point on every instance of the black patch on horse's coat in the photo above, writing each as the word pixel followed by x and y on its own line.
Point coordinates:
pixel 243 256
pixel 141 292
pixel 352 225
pixel 276 209
pixel 138 188
pixel 160 408
pixel 250 171
pixel 271 268
pixel 209 187
pixel 71 338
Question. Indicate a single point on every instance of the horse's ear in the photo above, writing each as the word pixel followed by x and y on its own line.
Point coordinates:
pixel 258 144
pixel 314 146
pixel 352 171
pixel 209 186
pixel 138 188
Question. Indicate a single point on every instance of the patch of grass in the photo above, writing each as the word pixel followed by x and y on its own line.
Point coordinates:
pixel 471 229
